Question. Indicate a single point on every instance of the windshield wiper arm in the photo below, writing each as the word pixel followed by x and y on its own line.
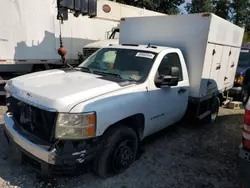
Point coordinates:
pixel 108 73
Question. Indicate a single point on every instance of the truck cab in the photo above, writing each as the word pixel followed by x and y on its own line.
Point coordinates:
pixel 242 77
pixel 145 90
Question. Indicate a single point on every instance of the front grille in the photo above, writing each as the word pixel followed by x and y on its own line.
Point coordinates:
pixel 36 121
pixel 88 52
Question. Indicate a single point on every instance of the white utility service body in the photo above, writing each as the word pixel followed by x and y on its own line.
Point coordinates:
pixel 210 44
pixel 31 34
pixel 123 93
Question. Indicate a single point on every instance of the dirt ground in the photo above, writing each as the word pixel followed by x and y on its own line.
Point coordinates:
pixel 183 155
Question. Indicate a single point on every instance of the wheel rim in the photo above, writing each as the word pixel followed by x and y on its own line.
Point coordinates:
pixel 123 156
pixel 214 116
pixel 215 111
pixel 245 97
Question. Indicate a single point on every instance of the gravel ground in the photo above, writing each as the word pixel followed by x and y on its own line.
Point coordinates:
pixel 181 156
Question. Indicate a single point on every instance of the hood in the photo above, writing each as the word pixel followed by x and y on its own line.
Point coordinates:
pixel 102 43
pixel 241 70
pixel 58 89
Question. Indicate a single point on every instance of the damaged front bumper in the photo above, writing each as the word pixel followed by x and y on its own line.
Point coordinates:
pixel 49 161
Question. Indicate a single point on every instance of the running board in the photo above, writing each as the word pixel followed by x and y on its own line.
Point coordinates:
pixel 227 101
pixel 205 114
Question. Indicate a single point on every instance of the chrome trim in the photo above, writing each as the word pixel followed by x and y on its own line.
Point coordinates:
pixel 34 103
pixel 30 147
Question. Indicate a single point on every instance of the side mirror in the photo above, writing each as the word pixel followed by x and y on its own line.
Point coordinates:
pixel 169 80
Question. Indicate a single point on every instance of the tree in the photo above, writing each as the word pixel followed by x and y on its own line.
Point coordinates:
pixel 163 6
pixel 198 6
pixel 168 6
pixel 240 10
pixel 148 4
pixel 222 8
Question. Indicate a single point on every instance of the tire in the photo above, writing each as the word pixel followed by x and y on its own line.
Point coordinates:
pixel 244 95
pixel 215 106
pixel 118 139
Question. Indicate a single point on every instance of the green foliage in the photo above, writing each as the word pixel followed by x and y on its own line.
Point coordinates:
pixel 246 37
pixel 198 6
pixel 236 11
pixel 163 6
pixel 240 9
pixel 222 8
pixel 168 6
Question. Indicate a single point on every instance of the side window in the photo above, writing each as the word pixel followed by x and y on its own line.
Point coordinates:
pixel 168 61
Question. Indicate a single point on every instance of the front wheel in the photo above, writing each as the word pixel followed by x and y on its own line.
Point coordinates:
pixel 245 95
pixel 118 151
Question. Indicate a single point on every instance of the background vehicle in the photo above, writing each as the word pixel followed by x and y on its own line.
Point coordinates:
pixel 124 93
pixel 242 77
pixel 90 48
pixel 29 39
pixel 244 155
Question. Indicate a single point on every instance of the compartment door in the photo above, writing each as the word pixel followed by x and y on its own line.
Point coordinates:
pixel 231 66
pixel 215 67
pixel 223 69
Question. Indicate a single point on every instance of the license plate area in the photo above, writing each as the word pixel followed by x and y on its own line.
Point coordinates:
pixel 31 162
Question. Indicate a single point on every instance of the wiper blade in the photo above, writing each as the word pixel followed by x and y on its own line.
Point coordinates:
pixel 86 69
pixel 108 73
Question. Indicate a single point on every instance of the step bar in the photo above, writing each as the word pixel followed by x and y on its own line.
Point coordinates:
pixel 2 83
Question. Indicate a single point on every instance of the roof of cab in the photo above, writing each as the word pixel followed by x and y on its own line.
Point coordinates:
pixel 153 48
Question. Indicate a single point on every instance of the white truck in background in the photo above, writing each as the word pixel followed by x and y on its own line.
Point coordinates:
pixel 97 113
pixel 29 38
pixel 113 36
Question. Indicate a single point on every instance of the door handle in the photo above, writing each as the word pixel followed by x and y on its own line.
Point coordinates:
pixel 182 90
pixel 218 67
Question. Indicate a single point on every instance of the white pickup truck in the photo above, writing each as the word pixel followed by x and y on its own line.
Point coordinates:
pixel 99 112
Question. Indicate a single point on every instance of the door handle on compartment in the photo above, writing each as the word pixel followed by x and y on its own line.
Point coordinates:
pixel 182 90
pixel 218 67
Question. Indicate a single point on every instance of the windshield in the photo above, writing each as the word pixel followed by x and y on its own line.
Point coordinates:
pixel 244 59
pixel 126 64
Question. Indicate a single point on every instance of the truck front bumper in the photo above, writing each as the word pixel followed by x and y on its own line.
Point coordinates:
pixel 236 90
pixel 47 162
pixel 244 167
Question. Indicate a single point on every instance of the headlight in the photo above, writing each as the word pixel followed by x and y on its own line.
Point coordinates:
pixel 75 126
pixel 240 79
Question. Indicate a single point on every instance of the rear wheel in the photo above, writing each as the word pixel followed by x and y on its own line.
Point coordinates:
pixel 118 151
pixel 214 110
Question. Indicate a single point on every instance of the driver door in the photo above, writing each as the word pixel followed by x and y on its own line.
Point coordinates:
pixel 169 102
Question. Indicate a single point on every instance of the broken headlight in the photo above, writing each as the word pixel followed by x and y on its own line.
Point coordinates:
pixel 75 126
